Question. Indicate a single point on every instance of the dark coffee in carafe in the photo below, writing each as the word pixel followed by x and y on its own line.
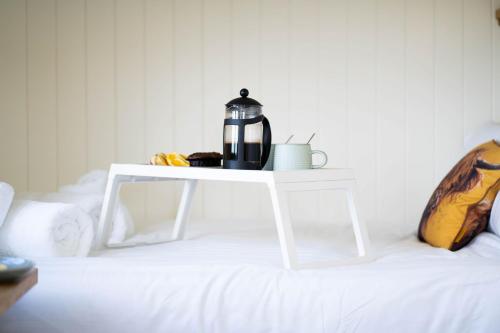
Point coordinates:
pixel 230 151
pixel 252 152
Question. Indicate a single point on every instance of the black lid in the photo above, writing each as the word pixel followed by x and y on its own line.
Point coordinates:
pixel 244 100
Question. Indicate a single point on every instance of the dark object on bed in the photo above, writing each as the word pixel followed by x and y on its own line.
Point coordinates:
pixel 460 207
pixel 212 159
pixel 13 268
pixel 13 290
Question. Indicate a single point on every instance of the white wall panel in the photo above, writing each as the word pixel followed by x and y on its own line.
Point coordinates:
pixel 42 96
pixel 71 93
pixel 449 80
pixel 13 94
pixel 420 96
pixel 390 87
pixel 477 63
pixel 391 109
pixel 332 85
pixel 100 77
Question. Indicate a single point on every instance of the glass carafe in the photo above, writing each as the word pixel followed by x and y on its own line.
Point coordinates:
pixel 247 134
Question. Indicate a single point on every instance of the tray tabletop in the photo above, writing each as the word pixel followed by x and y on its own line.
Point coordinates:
pixel 217 173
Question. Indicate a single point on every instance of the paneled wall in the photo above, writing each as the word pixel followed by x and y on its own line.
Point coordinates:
pixel 390 87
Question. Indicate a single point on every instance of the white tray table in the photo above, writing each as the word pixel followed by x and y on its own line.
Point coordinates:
pixel 279 183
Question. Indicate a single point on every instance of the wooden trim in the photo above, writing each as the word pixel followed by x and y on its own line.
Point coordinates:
pixel 10 293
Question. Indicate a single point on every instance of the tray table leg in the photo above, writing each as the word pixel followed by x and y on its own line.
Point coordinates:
pixel 184 208
pixel 358 225
pixel 108 208
pixel 283 225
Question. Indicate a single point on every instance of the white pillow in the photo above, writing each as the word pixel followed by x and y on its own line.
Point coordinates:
pixel 484 133
pixel 494 225
pixel 6 197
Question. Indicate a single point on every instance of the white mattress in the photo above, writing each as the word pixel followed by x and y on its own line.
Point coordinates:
pixel 228 277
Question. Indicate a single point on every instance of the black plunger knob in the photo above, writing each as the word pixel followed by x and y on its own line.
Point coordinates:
pixel 244 92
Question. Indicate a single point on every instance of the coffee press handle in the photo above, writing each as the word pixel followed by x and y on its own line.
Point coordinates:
pixel 266 141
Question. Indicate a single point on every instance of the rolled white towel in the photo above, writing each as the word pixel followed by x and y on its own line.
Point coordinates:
pixel 91 203
pixel 88 194
pixel 46 229
pixel 6 197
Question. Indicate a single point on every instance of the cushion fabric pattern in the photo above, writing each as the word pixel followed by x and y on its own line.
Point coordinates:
pixel 460 207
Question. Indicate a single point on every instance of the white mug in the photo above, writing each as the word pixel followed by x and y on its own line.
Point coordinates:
pixel 295 156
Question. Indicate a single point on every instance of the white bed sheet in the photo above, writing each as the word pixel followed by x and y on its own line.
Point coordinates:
pixel 228 277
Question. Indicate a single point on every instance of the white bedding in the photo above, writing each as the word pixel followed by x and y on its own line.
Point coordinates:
pixel 46 229
pixel 228 277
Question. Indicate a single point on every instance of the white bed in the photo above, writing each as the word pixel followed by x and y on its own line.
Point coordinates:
pixel 201 285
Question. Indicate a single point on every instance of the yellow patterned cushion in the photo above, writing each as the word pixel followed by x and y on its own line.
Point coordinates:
pixel 460 207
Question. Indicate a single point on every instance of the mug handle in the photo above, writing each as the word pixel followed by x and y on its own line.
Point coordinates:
pixel 325 159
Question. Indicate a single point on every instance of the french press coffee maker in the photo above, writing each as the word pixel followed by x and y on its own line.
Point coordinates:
pixel 247 134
